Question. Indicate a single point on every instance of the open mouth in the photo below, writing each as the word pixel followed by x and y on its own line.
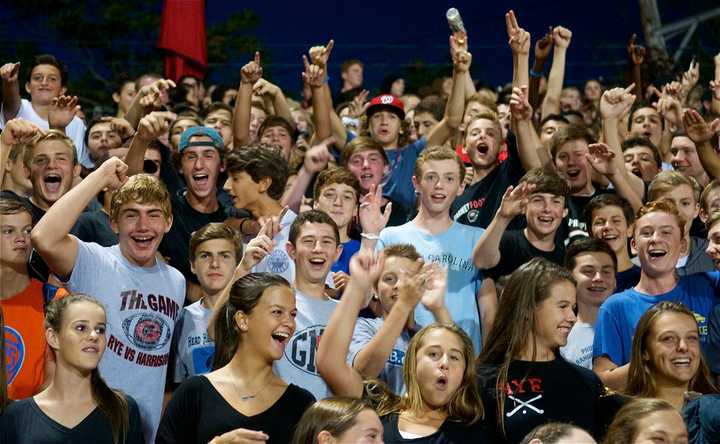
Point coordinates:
pixel 597 289
pixel 201 179
pixel 657 253
pixel 647 134
pixel 681 362
pixel 482 149
pixel 317 262
pixel 546 219
pixel 52 182
pixel 90 349
pixel 143 242
pixel 573 173
pixel 441 383
pixel 437 197
pixel 281 337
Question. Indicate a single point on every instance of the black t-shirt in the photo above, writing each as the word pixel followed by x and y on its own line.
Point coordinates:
pixel 449 433
pixel 175 244
pixel 627 279
pixel 540 392
pixel 24 422
pixel 477 205
pixel 577 226
pixel 197 413
pixel 94 226
pixel 515 250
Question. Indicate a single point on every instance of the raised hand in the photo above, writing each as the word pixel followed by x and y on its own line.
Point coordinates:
pixel 433 297
pixel 113 172
pixel 121 127
pixel 151 95
pixel 697 129
pixel 252 71
pixel 9 72
pixel 154 125
pixel 601 158
pixel 359 104
pixel 715 88
pixel 518 38
pixel 62 110
pixel 519 105
pixel 318 156
pixel 256 250
pixel 412 285
pixel 365 268
pixel 18 131
pixel 264 88
pixel 690 77
pixel 669 106
pixel 615 102
pixel 515 200
pixel 372 218
pixel 635 52
pixel 272 224
pixel 319 55
pixel 340 280
pixel 562 37
pixel 313 74
pixel 461 57
pixel 542 46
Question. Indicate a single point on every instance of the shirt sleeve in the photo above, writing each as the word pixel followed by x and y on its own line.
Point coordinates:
pixel 178 369
pixel 89 262
pixel 363 334
pixel 607 336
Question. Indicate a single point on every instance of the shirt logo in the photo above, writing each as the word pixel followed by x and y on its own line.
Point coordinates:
pixel 302 349
pixel 278 261
pixel 386 100
pixel 14 353
pixel 147 331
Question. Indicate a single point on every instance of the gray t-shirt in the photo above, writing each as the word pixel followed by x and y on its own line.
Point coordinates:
pixel 392 373
pixel 142 305
pixel 297 366
pixel 192 349
pixel 579 347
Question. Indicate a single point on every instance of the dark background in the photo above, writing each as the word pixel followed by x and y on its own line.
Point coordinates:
pixel 101 39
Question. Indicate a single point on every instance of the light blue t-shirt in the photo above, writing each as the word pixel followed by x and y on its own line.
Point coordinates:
pixel 620 313
pixel 452 249
pixel 193 349
pixel 398 186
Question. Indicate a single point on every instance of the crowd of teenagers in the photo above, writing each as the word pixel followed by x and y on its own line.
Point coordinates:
pixel 536 263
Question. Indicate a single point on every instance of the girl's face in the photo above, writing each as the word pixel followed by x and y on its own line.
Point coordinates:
pixel 673 348
pixel 81 341
pixel 440 367
pixel 555 317
pixel 663 427
pixel 270 325
pixel 367 430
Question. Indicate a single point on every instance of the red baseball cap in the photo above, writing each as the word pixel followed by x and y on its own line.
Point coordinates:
pixel 389 102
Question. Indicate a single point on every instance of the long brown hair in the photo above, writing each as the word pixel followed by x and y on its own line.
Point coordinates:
pixel 527 287
pixel 641 377
pixel 3 374
pixel 464 406
pixel 111 402
pixel 244 295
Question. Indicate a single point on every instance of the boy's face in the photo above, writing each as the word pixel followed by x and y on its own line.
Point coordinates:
pixel 711 204
pixel 549 128
pixel 101 140
pixel 610 225
pixel 684 199
pixel 571 163
pixel 424 122
pixel 221 120
pixel 314 252
pixel 474 109
pixel 482 143
pixel 177 130
pixel 685 157
pixel 15 231
pixel 257 117
pixel 570 99
pixel 713 248
pixel 278 136
pixel 646 122
pixel 439 185
pixel 19 175
pixel 385 127
pixel 45 84
pixel 140 228
pixel 368 166
pixel 658 241
pixel 395 270
pixel 214 264
pixel 545 213
pixel 339 201
pixel 594 273
pixel 51 171
pixel 200 166
pixel 353 75
pixel 640 161
pixel 243 190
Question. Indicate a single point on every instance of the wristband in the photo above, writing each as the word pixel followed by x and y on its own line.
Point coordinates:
pixel 535 74
pixel 370 236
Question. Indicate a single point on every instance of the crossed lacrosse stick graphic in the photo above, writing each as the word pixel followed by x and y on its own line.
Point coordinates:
pixel 525 404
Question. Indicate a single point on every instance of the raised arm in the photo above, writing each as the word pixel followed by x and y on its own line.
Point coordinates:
pixel 265 89
pixel 10 89
pixel 149 98
pixel 249 75
pixel 715 86
pixel 637 58
pixel 15 131
pixel 561 39
pixel 701 132
pixel 528 141
pixel 542 51
pixel 315 76
pixel 456 102
pixel 150 128
pixel 331 360
pixel 519 41
pixel 486 253
pixel 316 159
pixel 602 159
pixel 372 217
pixel 51 237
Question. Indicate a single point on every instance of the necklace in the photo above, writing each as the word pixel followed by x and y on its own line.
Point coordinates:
pixel 247 397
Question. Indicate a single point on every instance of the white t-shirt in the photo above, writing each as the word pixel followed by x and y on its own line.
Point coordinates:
pixel 75 130
pixel 142 305
pixel 579 348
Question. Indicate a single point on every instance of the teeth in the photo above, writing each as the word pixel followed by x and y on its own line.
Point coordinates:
pixel 681 361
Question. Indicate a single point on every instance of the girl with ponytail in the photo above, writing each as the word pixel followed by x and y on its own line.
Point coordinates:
pixel 242 399
pixel 77 406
